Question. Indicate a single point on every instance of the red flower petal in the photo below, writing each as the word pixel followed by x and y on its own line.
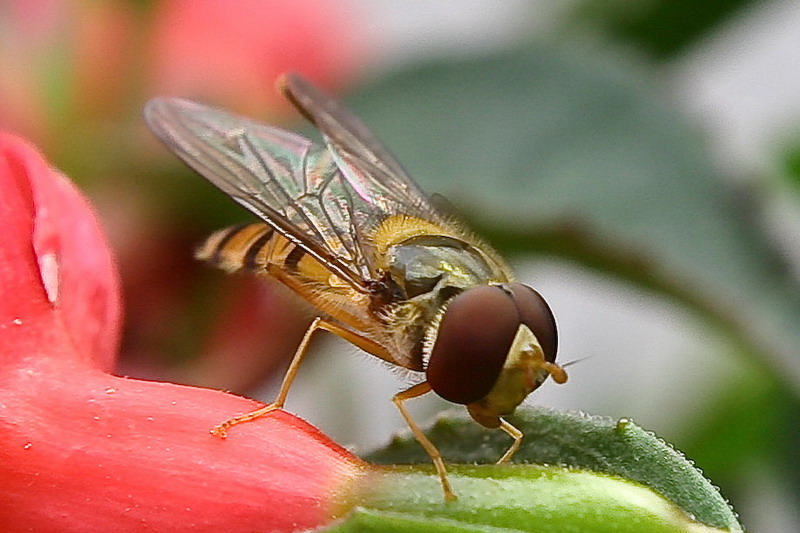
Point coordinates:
pixel 101 453
pixel 61 257
pixel 22 295
pixel 86 451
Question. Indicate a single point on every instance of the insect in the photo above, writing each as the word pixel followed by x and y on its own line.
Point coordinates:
pixel 346 228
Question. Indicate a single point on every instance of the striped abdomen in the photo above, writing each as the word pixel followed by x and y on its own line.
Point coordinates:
pixel 253 247
pixel 264 251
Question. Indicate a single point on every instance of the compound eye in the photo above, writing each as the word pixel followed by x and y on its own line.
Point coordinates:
pixel 473 341
pixel 536 314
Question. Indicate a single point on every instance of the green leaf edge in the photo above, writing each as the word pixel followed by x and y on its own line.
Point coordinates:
pixel 512 498
pixel 581 441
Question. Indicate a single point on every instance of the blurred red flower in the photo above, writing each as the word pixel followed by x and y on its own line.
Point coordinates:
pixel 231 52
pixel 83 450
pixel 87 66
pixel 65 60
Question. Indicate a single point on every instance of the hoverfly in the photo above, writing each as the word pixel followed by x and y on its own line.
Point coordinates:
pixel 346 228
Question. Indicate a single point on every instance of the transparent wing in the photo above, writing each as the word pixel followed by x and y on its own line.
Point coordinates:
pixel 357 150
pixel 324 200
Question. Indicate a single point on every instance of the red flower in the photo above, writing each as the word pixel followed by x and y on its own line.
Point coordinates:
pixel 86 65
pixel 231 52
pixel 83 450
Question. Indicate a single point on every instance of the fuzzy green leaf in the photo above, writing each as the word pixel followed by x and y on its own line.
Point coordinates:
pixel 589 443
pixel 512 498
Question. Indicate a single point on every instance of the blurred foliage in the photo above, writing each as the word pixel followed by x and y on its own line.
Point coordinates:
pixel 752 426
pixel 792 167
pixel 662 28
pixel 572 154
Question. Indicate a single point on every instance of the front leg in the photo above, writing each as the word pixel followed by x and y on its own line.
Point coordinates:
pixel 398 399
pixel 515 434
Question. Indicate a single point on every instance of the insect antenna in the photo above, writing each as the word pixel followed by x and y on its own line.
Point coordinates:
pixel 578 360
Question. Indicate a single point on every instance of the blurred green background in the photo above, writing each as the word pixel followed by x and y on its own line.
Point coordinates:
pixel 637 161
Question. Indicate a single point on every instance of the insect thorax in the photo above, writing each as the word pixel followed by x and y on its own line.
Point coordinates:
pixel 427 272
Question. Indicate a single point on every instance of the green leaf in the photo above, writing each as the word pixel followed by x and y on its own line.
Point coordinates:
pixel 511 498
pixel 590 443
pixel 661 27
pixel 578 156
pixel 791 168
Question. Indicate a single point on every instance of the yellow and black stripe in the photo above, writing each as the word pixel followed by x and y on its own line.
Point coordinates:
pixel 239 247
pixel 260 249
